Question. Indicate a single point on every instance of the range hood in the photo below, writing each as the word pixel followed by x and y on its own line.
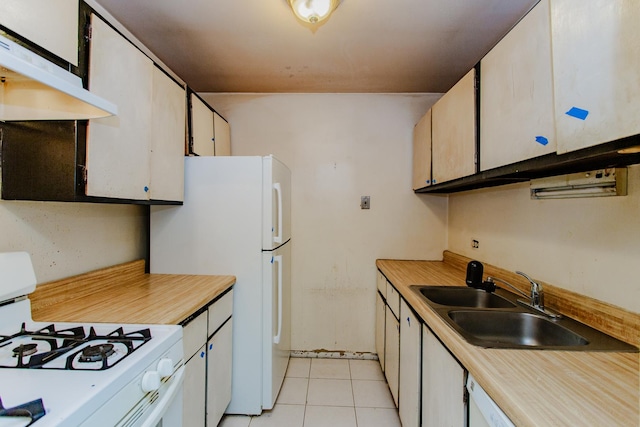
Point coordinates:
pixel 33 88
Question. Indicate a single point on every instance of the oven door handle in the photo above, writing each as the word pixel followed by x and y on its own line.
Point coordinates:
pixel 176 386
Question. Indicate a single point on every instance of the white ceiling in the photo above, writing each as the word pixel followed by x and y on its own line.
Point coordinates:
pixel 367 46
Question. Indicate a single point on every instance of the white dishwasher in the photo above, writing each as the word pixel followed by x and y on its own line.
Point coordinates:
pixel 483 412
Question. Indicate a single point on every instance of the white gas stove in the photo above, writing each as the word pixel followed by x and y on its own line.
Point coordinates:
pixel 70 374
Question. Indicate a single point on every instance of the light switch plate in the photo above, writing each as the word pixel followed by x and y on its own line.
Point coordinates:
pixel 365 202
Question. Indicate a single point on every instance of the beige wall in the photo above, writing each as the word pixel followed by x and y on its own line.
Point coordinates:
pixel 340 147
pixel 65 239
pixel 590 246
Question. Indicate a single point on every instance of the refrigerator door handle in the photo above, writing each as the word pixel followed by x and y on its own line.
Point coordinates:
pixel 278 237
pixel 278 259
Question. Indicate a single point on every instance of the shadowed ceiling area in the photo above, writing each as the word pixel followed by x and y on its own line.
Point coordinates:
pixel 366 46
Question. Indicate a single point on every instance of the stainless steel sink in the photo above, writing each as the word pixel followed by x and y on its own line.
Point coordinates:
pixel 496 320
pixel 509 328
pixel 464 297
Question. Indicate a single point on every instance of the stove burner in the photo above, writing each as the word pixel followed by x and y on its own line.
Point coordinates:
pixel 96 353
pixel 73 348
pixel 25 350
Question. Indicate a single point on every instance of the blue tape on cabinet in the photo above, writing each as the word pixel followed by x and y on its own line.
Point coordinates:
pixel 542 140
pixel 578 113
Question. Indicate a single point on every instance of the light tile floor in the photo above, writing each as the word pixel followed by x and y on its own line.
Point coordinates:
pixel 328 393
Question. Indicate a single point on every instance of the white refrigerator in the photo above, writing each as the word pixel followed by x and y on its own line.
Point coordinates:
pixel 236 220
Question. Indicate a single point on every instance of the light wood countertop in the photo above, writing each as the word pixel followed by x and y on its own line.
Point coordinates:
pixel 125 294
pixel 533 387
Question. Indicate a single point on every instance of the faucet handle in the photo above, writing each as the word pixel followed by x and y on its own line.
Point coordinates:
pixel 537 295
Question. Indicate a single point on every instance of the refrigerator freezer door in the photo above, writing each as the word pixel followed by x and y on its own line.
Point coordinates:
pixel 277 203
pixel 277 321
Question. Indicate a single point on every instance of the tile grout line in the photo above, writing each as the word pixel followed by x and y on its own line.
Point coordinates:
pixel 306 396
pixel 353 395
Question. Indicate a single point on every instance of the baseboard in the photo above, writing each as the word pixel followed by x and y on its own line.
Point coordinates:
pixel 324 354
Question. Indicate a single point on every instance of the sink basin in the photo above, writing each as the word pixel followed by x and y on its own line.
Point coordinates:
pixel 509 329
pixel 496 320
pixel 463 297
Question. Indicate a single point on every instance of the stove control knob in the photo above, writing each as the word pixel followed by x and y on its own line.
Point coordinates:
pixel 165 367
pixel 150 381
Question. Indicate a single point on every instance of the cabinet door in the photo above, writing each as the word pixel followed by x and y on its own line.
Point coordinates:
pixel 381 283
pixel 443 402
pixel 167 138
pixel 422 152
pixel 219 373
pixel 118 146
pixel 596 71
pixel 380 329
pixel 51 24
pixel 194 391
pixel 222 135
pixel 410 357
pixel 516 102
pixel 453 129
pixel 201 128
pixel 392 353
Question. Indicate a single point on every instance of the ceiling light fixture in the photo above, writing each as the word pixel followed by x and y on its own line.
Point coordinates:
pixel 313 11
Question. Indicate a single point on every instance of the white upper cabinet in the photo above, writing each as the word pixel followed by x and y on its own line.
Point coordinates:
pixel 138 154
pixel 118 146
pixel 168 136
pixel 51 24
pixel 454 132
pixel 596 70
pixel 422 152
pixel 201 128
pixel 210 133
pixel 516 94
pixel 221 136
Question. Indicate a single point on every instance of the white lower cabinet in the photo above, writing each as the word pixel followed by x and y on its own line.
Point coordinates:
pixel 194 338
pixel 207 344
pixel 392 353
pixel 195 384
pixel 443 385
pixel 410 357
pixel 380 328
pixel 219 373
pixel 427 383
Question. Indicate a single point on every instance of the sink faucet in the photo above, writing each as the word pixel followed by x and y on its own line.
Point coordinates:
pixel 535 297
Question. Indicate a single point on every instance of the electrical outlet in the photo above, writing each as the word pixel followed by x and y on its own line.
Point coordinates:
pixel 365 202
pixel 475 244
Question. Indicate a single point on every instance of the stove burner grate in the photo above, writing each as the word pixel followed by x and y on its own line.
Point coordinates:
pixel 64 341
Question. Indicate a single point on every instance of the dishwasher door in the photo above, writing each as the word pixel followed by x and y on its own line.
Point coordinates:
pixel 483 412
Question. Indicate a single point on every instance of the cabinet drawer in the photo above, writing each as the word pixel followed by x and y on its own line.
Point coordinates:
pixel 382 284
pixel 220 311
pixel 393 300
pixel 194 335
